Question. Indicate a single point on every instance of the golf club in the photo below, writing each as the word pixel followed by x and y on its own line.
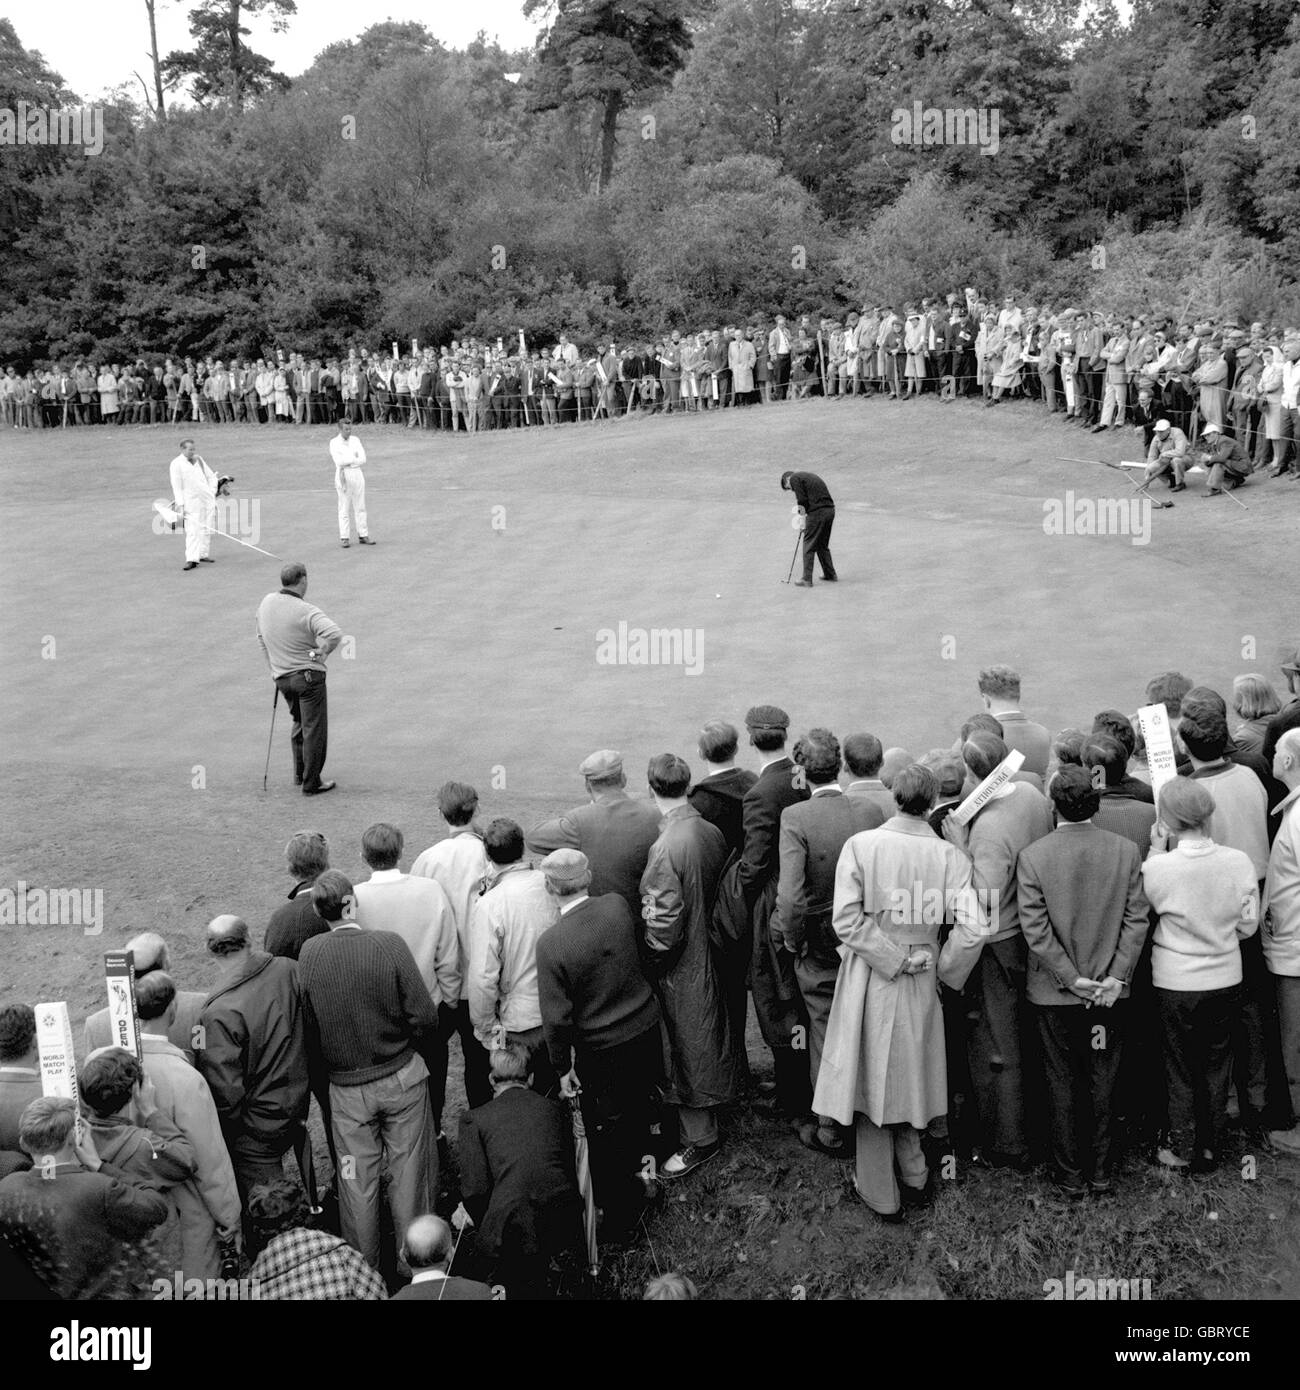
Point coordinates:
pixel 174 518
pixel 266 771
pixel 1141 486
pixel 795 556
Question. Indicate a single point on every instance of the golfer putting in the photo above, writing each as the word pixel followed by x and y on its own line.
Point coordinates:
pixel 817 508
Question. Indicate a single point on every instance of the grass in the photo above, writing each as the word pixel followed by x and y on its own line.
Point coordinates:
pixel 133 746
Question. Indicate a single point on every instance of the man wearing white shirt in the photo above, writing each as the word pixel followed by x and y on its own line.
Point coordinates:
pixel 506 923
pixel 350 484
pixel 459 865
pixel 194 496
pixel 418 911
pixel 415 909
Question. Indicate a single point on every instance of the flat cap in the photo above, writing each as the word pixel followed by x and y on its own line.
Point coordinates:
pixel 565 866
pixel 604 762
pixel 767 717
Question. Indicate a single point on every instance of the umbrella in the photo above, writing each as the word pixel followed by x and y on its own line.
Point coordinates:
pixel 583 1166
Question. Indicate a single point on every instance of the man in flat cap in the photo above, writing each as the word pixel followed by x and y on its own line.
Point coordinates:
pixel 746 902
pixel 601 1025
pixel 612 830
pixel 817 507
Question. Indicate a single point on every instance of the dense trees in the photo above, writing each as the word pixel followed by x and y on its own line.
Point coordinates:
pixel 398 189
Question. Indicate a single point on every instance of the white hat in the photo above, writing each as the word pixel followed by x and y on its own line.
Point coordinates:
pixel 1162 426
pixel 1213 429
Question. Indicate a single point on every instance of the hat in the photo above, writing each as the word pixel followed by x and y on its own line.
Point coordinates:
pixel 605 762
pixel 1212 428
pixel 1162 426
pixel 564 867
pixel 1288 655
pixel 767 717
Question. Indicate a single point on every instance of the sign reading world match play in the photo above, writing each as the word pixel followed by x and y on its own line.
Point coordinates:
pixel 994 782
pixel 58 1058
pixel 1156 734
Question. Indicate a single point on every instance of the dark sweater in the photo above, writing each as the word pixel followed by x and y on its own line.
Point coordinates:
pixel 366 1007
pixel 589 980
pixel 810 492
pixel 293 924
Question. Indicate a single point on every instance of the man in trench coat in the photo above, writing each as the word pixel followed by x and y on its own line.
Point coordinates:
pixel 883 1062
pixel 678 889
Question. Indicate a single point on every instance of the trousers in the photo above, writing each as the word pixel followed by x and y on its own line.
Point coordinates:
pixel 377 1123
pixel 304 693
pixel 817 542
pixel 352 499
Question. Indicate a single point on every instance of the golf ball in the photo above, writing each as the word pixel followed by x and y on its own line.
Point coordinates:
pixel 717 595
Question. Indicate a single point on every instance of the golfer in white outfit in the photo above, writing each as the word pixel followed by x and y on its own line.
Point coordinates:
pixel 350 483
pixel 194 495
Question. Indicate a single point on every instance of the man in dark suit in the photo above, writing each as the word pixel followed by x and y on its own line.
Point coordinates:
pixel 72 1218
pixel 816 506
pixel 719 795
pixel 517 1178
pixel 427 1248
pixel 778 1003
pixel 1084 917
pixel 612 830
pixel 812 834
pixel 601 1024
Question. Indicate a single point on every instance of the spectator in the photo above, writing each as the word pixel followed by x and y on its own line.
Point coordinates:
pixel 506 923
pixel 206 1205
pixel 1206 900
pixel 20 1076
pixel 458 866
pixel 1000 687
pixel 151 953
pixel 518 1183
pixel 296 921
pixel 297 1263
pixel 368 1016
pixel 254 1054
pixel 1082 913
pixel 72 1218
pixel 427 1249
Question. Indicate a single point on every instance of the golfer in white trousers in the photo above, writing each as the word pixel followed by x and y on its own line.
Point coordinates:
pixel 194 496
pixel 350 483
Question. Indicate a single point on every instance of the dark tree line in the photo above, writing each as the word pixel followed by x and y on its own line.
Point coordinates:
pixel 657 162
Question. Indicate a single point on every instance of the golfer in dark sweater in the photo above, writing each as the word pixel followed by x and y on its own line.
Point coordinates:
pixel 368 1013
pixel 602 1029
pixel 816 506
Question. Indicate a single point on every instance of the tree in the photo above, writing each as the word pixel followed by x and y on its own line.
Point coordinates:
pixel 606 52
pixel 221 63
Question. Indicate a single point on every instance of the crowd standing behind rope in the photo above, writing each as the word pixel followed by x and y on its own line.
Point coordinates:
pixel 1103 371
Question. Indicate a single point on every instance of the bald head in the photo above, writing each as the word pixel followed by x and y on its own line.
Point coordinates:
pixel 227 935
pixel 428 1243
pixel 150 952
pixel 892 763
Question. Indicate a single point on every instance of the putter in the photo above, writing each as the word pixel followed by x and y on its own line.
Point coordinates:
pixel 266 771
pixel 797 541
pixel 174 518
pixel 1139 487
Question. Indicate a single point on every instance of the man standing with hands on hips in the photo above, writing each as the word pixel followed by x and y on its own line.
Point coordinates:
pixel 816 506
pixel 296 638
pixel 349 483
